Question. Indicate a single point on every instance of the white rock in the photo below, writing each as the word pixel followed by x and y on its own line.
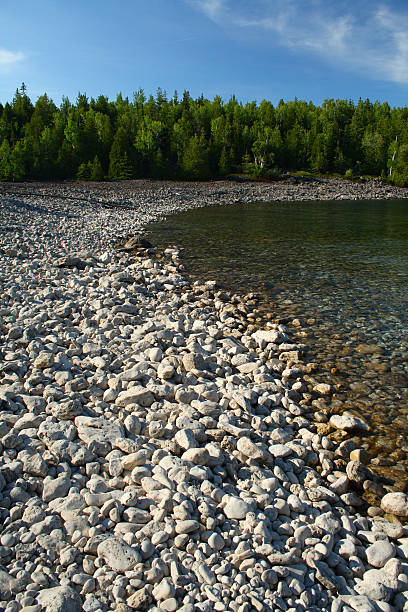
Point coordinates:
pixel 99 429
pixel 185 438
pixel 60 599
pixel 395 503
pixel 348 422
pixel 199 456
pixel 135 395
pixel 163 590
pixel 57 487
pixel 252 450
pixel 187 526
pixel 379 553
pixel 236 508
pixel 118 555
pixel 280 450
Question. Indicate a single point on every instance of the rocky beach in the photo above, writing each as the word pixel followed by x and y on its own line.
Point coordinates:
pixel 159 450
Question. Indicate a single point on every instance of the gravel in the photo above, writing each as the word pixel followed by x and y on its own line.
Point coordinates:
pixel 155 449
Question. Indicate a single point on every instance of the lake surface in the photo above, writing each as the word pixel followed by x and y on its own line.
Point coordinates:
pixel 341 267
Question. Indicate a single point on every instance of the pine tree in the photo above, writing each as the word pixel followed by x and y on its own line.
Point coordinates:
pixel 120 167
pixel 225 163
pixel 195 159
pixel 5 161
pixel 84 172
pixel 96 173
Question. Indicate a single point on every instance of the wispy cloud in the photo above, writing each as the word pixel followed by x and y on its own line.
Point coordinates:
pixel 8 59
pixel 212 8
pixel 371 39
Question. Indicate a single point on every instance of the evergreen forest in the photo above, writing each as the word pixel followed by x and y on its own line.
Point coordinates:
pixel 186 138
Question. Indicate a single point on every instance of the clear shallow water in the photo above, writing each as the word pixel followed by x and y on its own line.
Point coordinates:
pixel 341 267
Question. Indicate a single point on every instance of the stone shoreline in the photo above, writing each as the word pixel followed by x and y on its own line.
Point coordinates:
pixel 156 451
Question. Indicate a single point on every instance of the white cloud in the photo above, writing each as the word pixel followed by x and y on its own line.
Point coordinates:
pixel 370 40
pixel 211 8
pixel 10 58
pixel 395 26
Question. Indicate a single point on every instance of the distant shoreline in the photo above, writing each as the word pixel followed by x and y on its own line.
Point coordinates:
pixel 214 192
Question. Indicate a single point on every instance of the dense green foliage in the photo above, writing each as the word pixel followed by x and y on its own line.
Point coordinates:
pixel 198 139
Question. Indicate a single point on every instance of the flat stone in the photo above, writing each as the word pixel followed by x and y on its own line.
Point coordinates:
pixel 187 526
pixel 75 453
pixel 360 603
pixel 268 336
pixel 165 371
pixel 361 455
pixel 392 530
pixel 357 472
pixel 43 361
pixel 269 484
pixel 280 450
pixel 369 349
pixel 98 429
pixel 216 541
pixel 34 403
pixel 326 576
pixel 135 373
pixel 374 590
pixel 321 493
pixel 33 463
pixel 73 504
pixel 49 432
pixel 71 261
pixel 328 523
pixel 66 410
pixel 163 590
pixel 135 395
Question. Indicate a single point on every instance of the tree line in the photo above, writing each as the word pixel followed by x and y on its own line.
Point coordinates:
pixel 186 138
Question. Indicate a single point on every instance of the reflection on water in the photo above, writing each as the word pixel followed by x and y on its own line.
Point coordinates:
pixel 343 264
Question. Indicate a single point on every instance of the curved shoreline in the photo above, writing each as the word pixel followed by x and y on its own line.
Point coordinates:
pixel 150 441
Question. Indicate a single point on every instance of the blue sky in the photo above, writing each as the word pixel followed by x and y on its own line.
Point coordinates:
pixel 255 49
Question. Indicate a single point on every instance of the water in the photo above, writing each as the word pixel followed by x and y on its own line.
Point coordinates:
pixel 341 267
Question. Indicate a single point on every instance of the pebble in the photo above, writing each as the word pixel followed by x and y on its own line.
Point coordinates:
pixel 236 508
pixel 348 422
pixel 379 553
pixel 395 503
pixel 59 598
pixel 118 555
